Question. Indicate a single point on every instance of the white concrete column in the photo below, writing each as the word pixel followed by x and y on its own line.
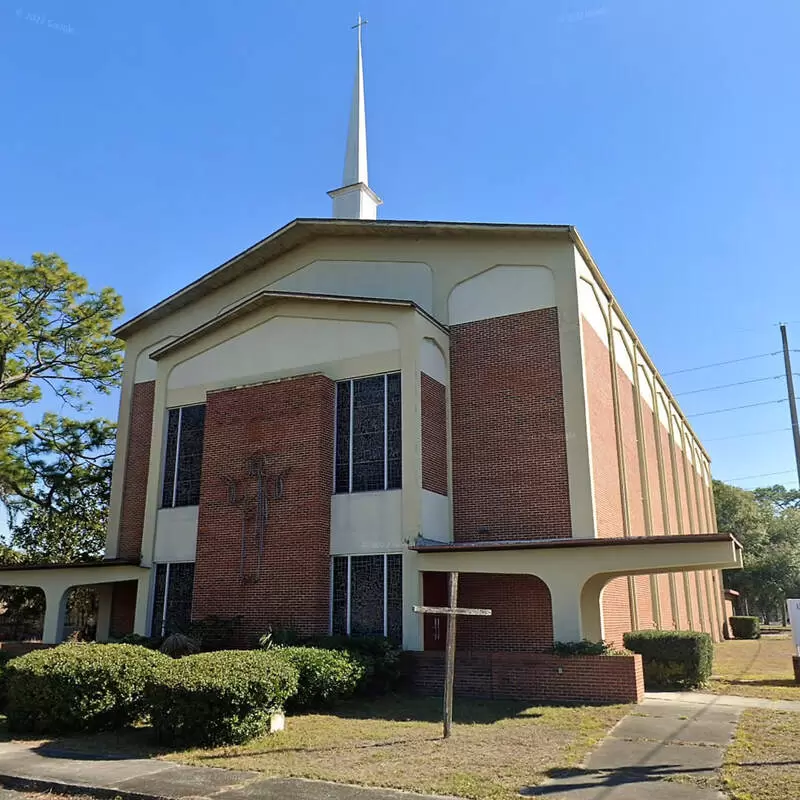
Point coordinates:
pixel 141 619
pixel 105 593
pixel 577 612
pixel 54 614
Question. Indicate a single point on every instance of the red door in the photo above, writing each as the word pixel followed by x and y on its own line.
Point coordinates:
pixel 434 593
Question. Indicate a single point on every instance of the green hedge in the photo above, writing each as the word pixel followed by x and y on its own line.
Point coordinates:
pixel 325 676
pixel 385 667
pixel 218 698
pixel 746 627
pixel 79 687
pixel 4 659
pixel 672 659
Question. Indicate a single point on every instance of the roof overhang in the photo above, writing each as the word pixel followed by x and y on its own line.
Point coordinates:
pixel 86 573
pixel 580 559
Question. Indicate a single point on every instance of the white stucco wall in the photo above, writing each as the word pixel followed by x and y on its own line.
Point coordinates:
pixel 500 291
pixel 367 522
pixel 283 343
pixel 390 280
pixel 436 517
pixel 432 361
pixel 176 534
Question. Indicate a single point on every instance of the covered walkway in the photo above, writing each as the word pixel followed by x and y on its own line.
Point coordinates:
pixel 577 570
pixel 56 580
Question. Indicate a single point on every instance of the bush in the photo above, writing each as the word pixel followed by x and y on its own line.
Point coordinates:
pixel 325 676
pixel 383 662
pixel 79 687
pixel 176 645
pixel 746 627
pixel 4 659
pixel 218 698
pixel 672 659
pixel 583 648
pixel 151 642
pixel 215 633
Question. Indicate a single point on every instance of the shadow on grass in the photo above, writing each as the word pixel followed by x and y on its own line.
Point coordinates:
pixel 780 683
pixel 565 781
pixel 409 708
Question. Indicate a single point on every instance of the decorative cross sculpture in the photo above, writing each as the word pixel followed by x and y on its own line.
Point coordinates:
pixel 451 611
pixel 360 24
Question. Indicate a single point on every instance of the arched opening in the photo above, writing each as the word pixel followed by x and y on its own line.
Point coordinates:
pixel 21 613
pixel 80 621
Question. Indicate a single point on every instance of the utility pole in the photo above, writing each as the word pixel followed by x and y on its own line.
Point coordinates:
pixel 787 361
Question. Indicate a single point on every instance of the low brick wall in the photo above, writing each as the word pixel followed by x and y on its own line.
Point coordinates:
pixel 533 676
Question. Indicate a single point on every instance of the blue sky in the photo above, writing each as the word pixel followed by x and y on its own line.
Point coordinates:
pixel 146 143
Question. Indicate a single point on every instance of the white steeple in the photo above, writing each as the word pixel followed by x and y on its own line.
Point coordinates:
pixel 355 200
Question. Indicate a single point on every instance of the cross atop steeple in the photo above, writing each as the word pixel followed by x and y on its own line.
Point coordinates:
pixel 355 200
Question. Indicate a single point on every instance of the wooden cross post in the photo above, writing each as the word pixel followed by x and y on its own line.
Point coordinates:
pixel 451 611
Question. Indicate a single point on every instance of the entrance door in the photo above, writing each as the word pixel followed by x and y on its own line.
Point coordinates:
pixel 434 593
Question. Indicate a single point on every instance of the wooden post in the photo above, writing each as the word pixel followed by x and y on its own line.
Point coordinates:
pixel 450 657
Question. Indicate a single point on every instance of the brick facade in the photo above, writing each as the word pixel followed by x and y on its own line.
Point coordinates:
pixel 433 409
pixel 284 578
pixel 534 677
pixel 522 615
pixel 616 610
pixel 509 442
pixel 137 463
pixel 605 465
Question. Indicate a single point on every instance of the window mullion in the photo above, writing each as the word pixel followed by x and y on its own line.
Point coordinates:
pixel 348 594
pixel 350 455
pixel 177 454
pixel 166 595
pixel 385 594
pixel 385 432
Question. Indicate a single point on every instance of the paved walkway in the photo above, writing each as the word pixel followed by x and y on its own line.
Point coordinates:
pixel 725 700
pixel 666 749
pixel 44 768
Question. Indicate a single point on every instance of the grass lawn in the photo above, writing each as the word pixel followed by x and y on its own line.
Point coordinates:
pixel 763 763
pixel 496 749
pixel 755 668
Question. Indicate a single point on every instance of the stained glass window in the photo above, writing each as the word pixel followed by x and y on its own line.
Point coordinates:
pixel 367 596
pixel 172 598
pixel 183 457
pixel 339 596
pixel 368 434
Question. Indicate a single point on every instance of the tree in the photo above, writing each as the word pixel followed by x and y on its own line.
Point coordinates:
pixel 55 341
pixel 739 513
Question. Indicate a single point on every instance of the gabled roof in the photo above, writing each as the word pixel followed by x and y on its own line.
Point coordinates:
pixel 301 231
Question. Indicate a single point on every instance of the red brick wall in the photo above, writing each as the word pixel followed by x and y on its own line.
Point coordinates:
pixel 653 478
pixel 644 602
pixel 137 462
pixel 434 435
pixel 534 676
pixel 616 610
pixel 605 466
pixel 630 451
pixel 509 442
pixel 522 615
pixel 293 420
pixel 666 449
pixel 667 620
pixel 683 605
pixel 123 608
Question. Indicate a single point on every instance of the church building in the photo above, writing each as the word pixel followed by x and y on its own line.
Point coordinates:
pixel 314 433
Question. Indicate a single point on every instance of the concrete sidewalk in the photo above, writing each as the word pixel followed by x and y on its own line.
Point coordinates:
pixel 724 700
pixel 45 768
pixel 663 750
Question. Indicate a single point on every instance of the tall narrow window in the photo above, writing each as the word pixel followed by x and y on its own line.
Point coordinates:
pixel 172 598
pixel 367 596
pixel 183 459
pixel 368 434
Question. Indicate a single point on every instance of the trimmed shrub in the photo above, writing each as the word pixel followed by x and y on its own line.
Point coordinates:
pixel 176 645
pixel 325 676
pixel 385 669
pixel 672 659
pixel 583 648
pixel 218 698
pixel 79 687
pixel 4 659
pixel 746 627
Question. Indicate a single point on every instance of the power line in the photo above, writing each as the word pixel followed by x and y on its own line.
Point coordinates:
pixel 761 475
pixel 729 385
pixel 744 435
pixel 721 363
pixel 736 408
